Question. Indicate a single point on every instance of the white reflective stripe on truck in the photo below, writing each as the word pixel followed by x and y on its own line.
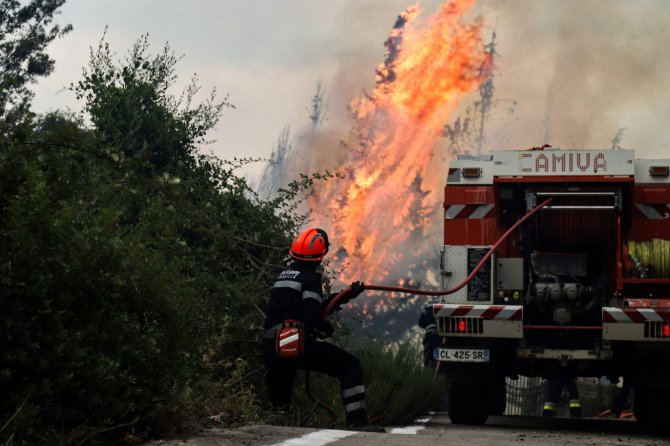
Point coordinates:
pixel 636 324
pixel 634 315
pixel 479 321
pixel 486 312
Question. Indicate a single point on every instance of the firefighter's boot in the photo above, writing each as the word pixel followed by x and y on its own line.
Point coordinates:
pixel 357 420
pixel 575 409
pixel 549 409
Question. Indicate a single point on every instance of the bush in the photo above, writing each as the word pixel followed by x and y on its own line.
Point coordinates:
pixel 97 321
pixel 133 275
pixel 401 388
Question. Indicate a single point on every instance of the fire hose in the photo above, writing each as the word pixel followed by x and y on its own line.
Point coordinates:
pixel 335 301
pixel 653 255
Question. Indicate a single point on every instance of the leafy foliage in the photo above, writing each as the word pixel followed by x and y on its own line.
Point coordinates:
pixel 126 261
pixel 130 104
pixel 25 32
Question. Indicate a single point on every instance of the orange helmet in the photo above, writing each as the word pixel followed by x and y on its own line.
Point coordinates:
pixel 311 245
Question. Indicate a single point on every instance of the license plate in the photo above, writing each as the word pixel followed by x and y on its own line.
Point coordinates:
pixel 461 355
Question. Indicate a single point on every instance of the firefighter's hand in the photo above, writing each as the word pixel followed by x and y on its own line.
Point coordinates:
pixel 356 289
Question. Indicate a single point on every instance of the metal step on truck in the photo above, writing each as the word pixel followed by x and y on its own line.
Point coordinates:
pixel 577 279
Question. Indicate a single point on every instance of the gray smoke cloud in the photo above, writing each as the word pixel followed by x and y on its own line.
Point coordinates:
pixel 580 71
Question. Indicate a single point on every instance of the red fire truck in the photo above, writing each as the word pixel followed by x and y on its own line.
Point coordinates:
pixel 568 252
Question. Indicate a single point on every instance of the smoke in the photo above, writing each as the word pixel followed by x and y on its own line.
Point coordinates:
pixel 580 71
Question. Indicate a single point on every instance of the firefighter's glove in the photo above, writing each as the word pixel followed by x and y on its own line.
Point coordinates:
pixel 356 289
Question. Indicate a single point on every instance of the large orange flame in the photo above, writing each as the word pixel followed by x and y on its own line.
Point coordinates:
pixel 389 198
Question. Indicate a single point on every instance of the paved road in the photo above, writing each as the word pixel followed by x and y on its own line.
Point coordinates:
pixel 519 431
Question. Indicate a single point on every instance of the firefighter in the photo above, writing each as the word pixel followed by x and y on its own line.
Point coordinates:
pixel 431 340
pixel 555 387
pixel 430 337
pixel 297 295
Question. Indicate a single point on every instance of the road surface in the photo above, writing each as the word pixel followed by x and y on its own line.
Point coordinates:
pixel 438 430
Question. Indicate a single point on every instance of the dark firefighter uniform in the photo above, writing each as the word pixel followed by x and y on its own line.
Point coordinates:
pixel 297 294
pixel 430 337
pixel 555 387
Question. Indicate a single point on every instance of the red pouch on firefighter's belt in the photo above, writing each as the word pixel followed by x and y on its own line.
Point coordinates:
pixel 290 341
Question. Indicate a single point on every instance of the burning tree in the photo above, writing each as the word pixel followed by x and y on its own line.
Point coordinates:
pixel 467 134
pixel 385 214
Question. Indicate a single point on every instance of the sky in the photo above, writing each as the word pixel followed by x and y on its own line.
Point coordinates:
pixel 267 56
pixel 574 72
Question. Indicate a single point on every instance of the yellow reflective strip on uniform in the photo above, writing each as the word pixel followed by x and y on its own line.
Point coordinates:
pixel 549 406
pixel 575 403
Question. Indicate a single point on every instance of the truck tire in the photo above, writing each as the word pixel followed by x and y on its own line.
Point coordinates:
pixel 498 397
pixel 468 403
pixel 651 409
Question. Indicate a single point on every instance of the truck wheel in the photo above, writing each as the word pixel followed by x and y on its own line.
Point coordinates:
pixel 498 397
pixel 651 410
pixel 468 403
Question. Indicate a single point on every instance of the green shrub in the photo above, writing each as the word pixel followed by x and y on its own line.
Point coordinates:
pixel 401 388
pixel 132 278
pixel 96 322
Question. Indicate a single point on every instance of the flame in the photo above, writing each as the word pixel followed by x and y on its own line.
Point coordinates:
pixel 387 203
